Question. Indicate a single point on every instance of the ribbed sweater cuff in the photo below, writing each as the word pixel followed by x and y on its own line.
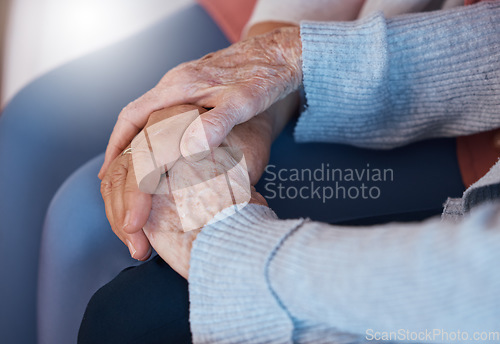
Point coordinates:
pixel 339 79
pixel 383 83
pixel 230 297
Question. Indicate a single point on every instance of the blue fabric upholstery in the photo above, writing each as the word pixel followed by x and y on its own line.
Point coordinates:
pixel 60 121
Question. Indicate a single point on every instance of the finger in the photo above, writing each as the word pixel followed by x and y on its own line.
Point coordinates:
pixel 112 191
pixel 136 241
pixel 118 173
pixel 106 188
pixel 137 204
pixel 208 130
pixel 131 120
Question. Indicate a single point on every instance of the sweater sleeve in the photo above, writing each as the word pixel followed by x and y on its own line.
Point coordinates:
pixel 382 83
pixel 257 279
pixel 230 298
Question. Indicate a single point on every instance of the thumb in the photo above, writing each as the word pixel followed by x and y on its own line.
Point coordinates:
pixel 207 131
pixel 137 204
pixel 138 245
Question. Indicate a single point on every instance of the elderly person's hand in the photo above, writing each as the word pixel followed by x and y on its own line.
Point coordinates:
pixel 128 208
pixel 165 232
pixel 238 83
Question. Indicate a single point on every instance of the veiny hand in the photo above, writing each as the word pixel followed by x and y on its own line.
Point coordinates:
pixel 238 83
pixel 122 196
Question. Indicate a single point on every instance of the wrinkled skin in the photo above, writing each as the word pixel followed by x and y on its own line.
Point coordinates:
pixel 159 214
pixel 167 234
pixel 238 83
pixel 203 188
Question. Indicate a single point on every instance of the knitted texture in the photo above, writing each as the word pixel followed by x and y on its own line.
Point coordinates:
pixel 376 83
pixel 381 83
pixel 256 279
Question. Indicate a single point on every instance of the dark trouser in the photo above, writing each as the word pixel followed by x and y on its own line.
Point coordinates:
pixel 148 304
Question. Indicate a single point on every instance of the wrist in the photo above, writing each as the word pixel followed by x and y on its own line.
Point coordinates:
pixel 290 53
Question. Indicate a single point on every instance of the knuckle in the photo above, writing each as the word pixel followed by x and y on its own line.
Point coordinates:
pixel 185 73
pixel 131 108
pixel 106 187
pixel 150 96
pixel 117 147
pixel 118 175
pixel 236 107
pixel 219 125
pixel 250 101
pixel 131 187
pixel 173 75
pixel 126 110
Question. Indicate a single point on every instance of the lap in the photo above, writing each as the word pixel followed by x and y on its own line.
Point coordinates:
pixel 146 304
pixel 413 165
pixel 325 182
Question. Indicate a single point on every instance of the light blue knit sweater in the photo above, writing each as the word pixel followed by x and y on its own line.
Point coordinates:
pixel 374 83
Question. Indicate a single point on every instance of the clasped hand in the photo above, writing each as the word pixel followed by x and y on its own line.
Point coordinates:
pixel 236 83
pixel 169 216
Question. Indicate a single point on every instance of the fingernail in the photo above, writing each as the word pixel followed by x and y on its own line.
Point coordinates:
pixel 131 248
pixel 147 255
